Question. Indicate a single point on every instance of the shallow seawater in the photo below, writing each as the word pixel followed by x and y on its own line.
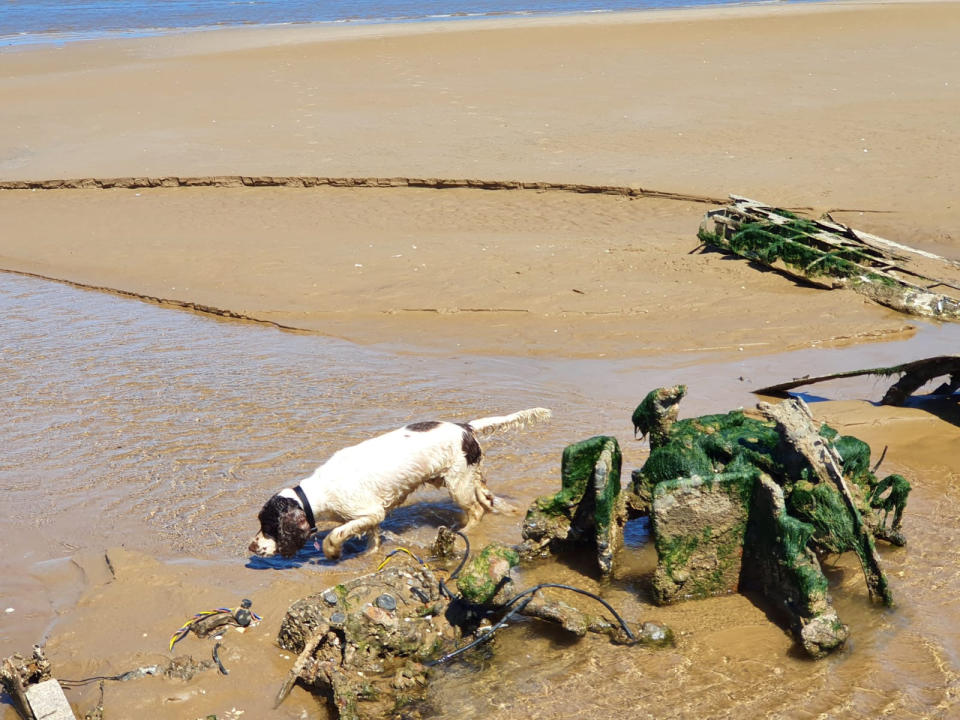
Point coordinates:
pixel 24 22
pixel 131 424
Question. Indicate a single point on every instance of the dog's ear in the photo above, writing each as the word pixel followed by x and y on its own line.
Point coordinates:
pixel 293 531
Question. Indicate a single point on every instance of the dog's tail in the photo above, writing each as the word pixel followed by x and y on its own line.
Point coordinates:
pixel 490 425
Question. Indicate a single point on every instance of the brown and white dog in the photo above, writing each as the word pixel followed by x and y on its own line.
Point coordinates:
pixel 359 485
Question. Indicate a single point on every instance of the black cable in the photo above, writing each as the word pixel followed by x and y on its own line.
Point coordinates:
pixel 87 681
pixel 453 576
pixel 483 638
pixel 599 599
pixel 216 658
pixel 466 556
pixel 503 621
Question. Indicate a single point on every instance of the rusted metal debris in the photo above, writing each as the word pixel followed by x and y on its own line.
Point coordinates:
pixel 913 376
pixel 831 255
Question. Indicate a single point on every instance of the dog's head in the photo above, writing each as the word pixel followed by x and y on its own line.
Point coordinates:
pixel 283 528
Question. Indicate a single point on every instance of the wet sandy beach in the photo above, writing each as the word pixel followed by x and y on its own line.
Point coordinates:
pixel 158 433
pixel 142 438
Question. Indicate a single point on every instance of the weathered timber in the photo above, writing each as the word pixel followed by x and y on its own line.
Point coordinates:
pixel 811 449
pixel 914 375
pixel 831 255
pixel 778 561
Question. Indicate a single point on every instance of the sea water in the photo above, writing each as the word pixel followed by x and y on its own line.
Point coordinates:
pixel 38 21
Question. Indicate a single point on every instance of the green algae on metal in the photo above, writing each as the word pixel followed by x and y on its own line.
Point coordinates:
pixel 734 502
pixel 589 509
pixel 486 573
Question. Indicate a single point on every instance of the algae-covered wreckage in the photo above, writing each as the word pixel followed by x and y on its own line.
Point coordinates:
pixel 832 255
pixel 739 501
pixel 736 501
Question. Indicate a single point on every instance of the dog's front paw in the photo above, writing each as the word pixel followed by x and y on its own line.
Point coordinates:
pixel 331 548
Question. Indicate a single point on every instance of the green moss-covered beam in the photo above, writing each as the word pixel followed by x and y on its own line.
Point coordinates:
pixel 830 255
pixel 588 510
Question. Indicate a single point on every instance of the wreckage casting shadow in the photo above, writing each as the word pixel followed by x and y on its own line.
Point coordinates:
pixel 946 408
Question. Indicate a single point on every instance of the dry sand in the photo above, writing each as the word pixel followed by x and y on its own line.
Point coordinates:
pixel 839 107
pixel 506 272
pixel 849 107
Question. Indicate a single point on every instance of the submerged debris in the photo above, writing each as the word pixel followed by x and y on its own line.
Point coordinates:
pixel 914 375
pixel 830 255
pixel 371 644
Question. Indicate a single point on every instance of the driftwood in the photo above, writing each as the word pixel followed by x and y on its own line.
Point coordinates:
pixel 830 255
pixel 914 375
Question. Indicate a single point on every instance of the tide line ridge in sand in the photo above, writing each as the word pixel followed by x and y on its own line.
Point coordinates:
pixel 309 181
pixel 167 302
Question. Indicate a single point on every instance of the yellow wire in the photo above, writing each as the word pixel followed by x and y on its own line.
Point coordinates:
pixel 185 628
pixel 402 549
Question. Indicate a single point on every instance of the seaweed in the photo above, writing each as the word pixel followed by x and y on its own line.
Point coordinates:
pixel 590 508
pixel 788 242
pixel 485 573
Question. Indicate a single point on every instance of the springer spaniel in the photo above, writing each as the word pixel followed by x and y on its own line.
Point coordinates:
pixel 359 485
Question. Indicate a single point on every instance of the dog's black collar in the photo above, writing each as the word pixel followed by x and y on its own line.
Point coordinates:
pixel 306 508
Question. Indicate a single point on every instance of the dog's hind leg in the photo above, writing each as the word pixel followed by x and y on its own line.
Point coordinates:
pixel 491 503
pixel 333 542
pixel 467 490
